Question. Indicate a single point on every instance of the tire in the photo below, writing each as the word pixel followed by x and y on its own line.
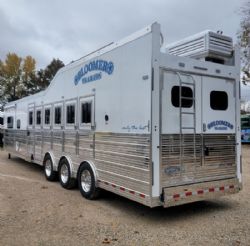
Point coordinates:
pixel 86 182
pixel 65 178
pixel 49 173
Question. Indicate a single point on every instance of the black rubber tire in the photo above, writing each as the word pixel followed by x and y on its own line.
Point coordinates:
pixel 71 182
pixel 53 174
pixel 94 191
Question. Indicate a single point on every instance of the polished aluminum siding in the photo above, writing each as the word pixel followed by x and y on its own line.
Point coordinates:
pixel 214 158
pixel 123 159
pixel 120 159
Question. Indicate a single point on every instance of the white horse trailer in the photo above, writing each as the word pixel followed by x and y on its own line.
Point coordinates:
pixel 158 126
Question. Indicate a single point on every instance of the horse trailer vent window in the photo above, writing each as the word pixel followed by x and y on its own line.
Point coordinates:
pixel 186 94
pixel 47 116
pixel 18 124
pixel 58 115
pixel 218 100
pixel 38 117
pixel 86 112
pixel 70 114
pixel 10 122
pixel 31 118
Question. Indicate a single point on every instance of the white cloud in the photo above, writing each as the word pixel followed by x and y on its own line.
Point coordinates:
pixel 69 29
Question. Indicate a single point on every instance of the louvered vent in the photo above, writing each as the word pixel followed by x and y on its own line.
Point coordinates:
pixel 203 45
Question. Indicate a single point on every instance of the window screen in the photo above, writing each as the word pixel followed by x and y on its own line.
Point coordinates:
pixel 86 112
pixel 38 117
pixel 218 100
pixel 18 124
pixel 10 122
pixel 58 115
pixel 31 118
pixel 47 116
pixel 186 93
pixel 70 114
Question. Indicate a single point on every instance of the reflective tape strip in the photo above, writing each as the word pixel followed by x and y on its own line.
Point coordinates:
pixel 177 196
pixel 123 189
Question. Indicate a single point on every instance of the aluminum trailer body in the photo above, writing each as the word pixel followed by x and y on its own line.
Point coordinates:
pixel 157 128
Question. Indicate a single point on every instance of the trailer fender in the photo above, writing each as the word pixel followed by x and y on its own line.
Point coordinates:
pixel 72 173
pixel 55 167
pixel 93 168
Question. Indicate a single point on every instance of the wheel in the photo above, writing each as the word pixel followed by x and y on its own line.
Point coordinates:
pixel 65 178
pixel 86 182
pixel 49 173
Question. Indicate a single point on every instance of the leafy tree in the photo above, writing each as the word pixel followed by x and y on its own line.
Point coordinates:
pixel 18 77
pixel 244 39
pixel 29 76
pixel 44 76
pixel 11 77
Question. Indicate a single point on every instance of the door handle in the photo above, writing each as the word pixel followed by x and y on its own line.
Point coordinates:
pixel 206 151
pixel 204 127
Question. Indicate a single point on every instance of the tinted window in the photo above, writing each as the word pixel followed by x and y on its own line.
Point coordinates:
pixel 70 114
pixel 86 112
pixel 47 116
pixel 10 122
pixel 31 118
pixel 18 124
pixel 186 93
pixel 38 117
pixel 58 115
pixel 218 100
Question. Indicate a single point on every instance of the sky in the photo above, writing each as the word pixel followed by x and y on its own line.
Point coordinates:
pixel 68 30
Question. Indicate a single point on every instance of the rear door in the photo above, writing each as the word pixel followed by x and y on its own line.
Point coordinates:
pixel 206 152
pixel 218 129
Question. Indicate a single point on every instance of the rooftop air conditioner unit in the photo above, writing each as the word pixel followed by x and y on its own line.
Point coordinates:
pixel 207 45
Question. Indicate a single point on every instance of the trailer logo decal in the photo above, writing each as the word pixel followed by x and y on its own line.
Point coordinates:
pixel 97 65
pixel 220 125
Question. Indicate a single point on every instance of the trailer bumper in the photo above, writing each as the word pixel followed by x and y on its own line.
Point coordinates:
pixel 202 191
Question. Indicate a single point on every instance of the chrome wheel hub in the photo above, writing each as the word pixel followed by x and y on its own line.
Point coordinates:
pixel 64 173
pixel 86 180
pixel 48 167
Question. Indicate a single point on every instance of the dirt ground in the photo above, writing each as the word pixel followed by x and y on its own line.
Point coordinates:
pixel 34 211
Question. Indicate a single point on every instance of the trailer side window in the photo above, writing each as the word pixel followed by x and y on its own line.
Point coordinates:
pixel 58 115
pixel 10 122
pixel 86 112
pixel 38 117
pixel 47 116
pixel 1 120
pixel 218 100
pixel 186 93
pixel 70 114
pixel 18 124
pixel 30 118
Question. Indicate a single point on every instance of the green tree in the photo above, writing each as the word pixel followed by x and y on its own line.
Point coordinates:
pixel 244 39
pixel 18 77
pixel 44 76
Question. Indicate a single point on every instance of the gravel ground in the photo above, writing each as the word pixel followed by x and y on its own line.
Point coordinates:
pixel 36 212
